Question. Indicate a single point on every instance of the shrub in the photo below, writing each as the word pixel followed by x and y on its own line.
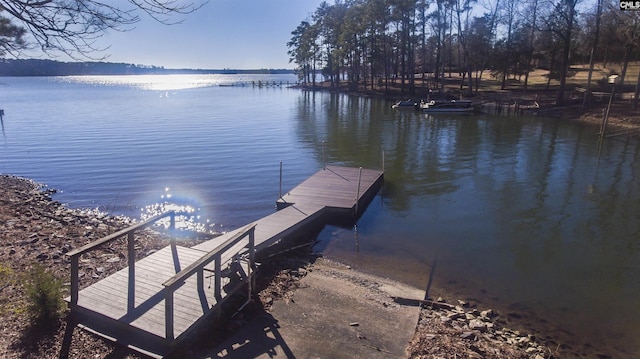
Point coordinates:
pixel 44 300
pixel 7 280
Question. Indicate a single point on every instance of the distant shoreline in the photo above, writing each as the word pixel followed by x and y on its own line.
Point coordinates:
pixel 621 117
pixel 36 67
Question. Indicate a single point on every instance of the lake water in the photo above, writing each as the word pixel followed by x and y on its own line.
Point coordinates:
pixel 517 214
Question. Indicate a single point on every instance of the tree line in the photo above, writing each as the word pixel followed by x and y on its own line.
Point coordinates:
pixel 38 67
pixel 44 67
pixel 373 43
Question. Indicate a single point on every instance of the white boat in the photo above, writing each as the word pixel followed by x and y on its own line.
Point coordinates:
pixel 443 106
pixel 405 104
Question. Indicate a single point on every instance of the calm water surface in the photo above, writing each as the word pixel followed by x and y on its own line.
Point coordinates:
pixel 517 214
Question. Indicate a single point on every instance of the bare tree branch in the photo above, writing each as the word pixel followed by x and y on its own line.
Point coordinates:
pixel 73 27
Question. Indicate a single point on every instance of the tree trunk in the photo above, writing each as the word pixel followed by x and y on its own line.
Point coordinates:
pixel 625 64
pixel 637 93
pixel 564 70
pixel 470 92
pixel 587 91
pixel 552 64
pixel 565 55
pixel 531 38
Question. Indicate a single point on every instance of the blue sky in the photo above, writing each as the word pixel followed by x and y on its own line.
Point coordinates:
pixel 239 34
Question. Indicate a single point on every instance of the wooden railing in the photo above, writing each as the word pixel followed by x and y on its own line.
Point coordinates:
pixel 75 254
pixel 197 267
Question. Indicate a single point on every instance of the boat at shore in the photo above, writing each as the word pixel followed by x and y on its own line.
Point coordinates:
pixel 446 106
pixel 410 104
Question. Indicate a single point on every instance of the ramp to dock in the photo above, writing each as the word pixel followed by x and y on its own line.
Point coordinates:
pixel 154 303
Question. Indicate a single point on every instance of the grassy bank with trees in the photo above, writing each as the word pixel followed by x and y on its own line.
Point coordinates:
pixel 563 51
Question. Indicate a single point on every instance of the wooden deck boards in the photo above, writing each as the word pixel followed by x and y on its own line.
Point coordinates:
pixel 109 297
pixel 334 187
pixel 272 227
pixel 108 301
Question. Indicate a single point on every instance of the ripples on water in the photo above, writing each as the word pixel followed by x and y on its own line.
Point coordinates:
pixel 518 214
pixel 118 146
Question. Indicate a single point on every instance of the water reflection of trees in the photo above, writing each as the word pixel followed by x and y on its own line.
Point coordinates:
pixel 355 131
pixel 522 204
pixel 530 176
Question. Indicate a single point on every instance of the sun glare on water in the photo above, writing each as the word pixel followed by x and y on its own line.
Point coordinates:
pixel 152 82
pixel 188 212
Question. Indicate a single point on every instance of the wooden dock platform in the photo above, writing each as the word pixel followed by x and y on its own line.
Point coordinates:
pixel 156 302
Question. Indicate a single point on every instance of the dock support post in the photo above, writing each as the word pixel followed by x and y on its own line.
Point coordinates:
pixel 358 190
pixel 252 259
pixel 382 159
pixel 280 180
pixel 324 156
pixel 603 127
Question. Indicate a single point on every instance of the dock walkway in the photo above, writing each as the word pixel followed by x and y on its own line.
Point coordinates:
pixel 154 303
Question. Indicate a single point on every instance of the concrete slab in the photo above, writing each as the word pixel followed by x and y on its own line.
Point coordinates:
pixel 335 313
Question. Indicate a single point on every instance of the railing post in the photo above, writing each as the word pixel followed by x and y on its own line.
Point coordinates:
pixel 383 160
pixel 74 282
pixel 168 313
pixel 358 190
pixel 74 257
pixel 217 280
pixel 172 227
pixel 252 257
pixel 131 259
pixel 200 275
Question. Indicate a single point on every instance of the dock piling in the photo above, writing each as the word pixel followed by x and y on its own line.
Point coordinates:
pixel 280 192
pixel 358 189
pixel 324 156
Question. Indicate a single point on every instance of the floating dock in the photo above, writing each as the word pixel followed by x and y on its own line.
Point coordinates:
pixel 154 303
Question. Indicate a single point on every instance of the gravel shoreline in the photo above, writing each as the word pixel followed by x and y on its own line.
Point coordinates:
pixel 36 229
